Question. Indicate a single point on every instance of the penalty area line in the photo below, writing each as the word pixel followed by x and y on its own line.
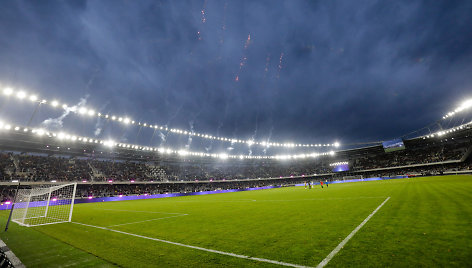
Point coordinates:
pixel 341 245
pixel 197 248
pixel 147 220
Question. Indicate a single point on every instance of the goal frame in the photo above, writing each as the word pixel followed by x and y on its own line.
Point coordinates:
pixel 28 211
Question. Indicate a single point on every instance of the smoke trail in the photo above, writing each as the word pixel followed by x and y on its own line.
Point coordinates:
pixel 58 122
pixel 100 122
pixel 208 149
pixel 189 141
pixel 163 138
pixel 268 140
pixel 98 127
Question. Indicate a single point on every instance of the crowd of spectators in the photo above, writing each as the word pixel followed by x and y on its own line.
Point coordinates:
pixel 32 168
pixel 38 168
pixel 428 154
pixel 106 177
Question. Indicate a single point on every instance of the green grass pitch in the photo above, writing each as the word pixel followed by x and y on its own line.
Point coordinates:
pixel 426 222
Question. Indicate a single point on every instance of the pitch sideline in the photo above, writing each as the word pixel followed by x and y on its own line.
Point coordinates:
pixel 341 245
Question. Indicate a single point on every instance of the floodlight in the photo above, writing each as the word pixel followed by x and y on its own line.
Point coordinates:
pixel 17 128
pixel 336 144
pixel 109 143
pixel 466 104
pixel 21 95
pixel 182 152
pixel 64 106
pixel 7 127
pixel 8 91
pixel 33 98
pixel 223 156
pixel 250 142
pixel 54 103
pixel 91 112
pixel 126 121
pixel 40 132
pixel 82 110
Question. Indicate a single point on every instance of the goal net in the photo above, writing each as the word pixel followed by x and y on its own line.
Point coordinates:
pixel 44 205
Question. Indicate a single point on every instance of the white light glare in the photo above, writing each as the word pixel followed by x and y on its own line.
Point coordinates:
pixel 466 104
pixel 338 164
pixel 40 132
pixel 182 152
pixel 21 95
pixel 33 98
pixel 109 143
pixel 8 91
pixel 54 103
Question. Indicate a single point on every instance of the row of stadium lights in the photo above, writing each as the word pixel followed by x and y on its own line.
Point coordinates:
pixel 464 106
pixel 111 143
pixel 444 132
pixel 128 121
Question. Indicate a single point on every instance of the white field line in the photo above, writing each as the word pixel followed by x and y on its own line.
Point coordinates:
pixel 282 200
pixel 341 245
pixel 147 220
pixel 158 212
pixel 198 248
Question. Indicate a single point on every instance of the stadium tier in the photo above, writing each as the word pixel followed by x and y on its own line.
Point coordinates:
pixel 30 160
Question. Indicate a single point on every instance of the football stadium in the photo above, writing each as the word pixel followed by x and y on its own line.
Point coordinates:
pixel 206 134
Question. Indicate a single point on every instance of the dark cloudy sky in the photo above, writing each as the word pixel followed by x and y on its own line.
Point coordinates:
pixel 312 71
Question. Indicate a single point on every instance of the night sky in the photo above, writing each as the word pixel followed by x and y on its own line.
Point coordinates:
pixel 282 71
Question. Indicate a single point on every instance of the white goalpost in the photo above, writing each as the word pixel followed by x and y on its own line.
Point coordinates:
pixel 44 205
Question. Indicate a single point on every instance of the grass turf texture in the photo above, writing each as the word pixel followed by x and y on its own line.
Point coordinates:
pixel 426 222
